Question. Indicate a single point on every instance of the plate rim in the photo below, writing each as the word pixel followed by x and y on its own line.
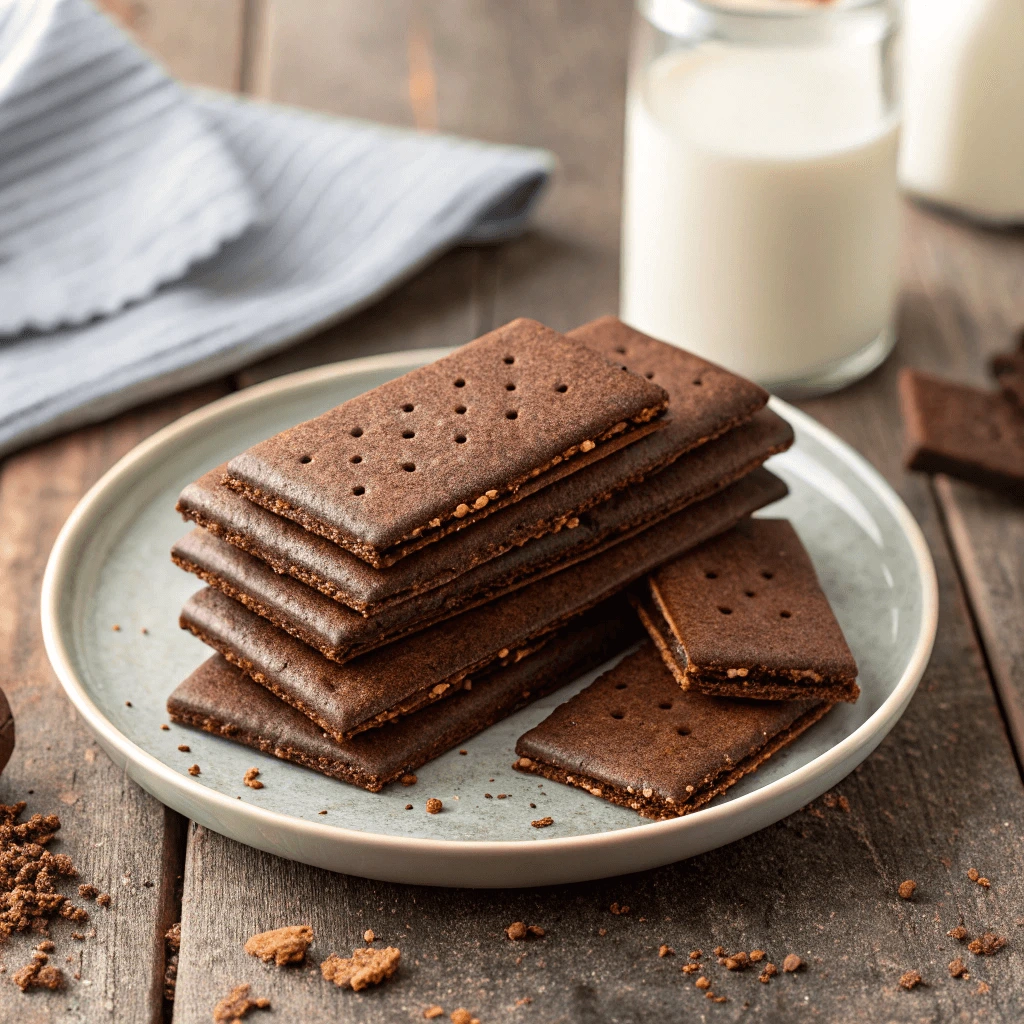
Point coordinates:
pixel 60 565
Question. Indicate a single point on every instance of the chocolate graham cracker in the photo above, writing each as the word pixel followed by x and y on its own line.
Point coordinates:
pixel 445 445
pixel 743 615
pixel 635 739
pixel 962 431
pixel 1009 370
pixel 704 412
pixel 435 663
pixel 341 633
pixel 221 699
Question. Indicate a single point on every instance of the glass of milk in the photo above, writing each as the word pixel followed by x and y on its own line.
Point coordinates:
pixel 760 209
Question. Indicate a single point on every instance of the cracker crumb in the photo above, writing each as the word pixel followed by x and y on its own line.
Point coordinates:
pixel 463 1016
pixel 664 950
pixel 696 954
pixel 194 770
pixel 984 882
pixel 144 631
pixel 165 727
pixel 959 933
pixel 757 955
pixel 523 762
pixel 38 974
pixel 844 804
pixel 792 963
pixel 232 1008
pixel 103 899
pixel 127 703
pixel 986 945
pixel 690 968
pixel 46 946
pixel 525 1001
pixel 737 962
pixel 616 909
pixel 408 807
pixel 910 979
pixel 719 951
pixel 88 892
pixel 434 805
pixel 409 780
pixel 487 796
pixel 433 1011
pixel 463 753
pixel 702 982
pixel 769 972
pixel 719 999
pixel 973 874
pixel 602 932
pixel 502 796
pixel 249 778
pixel 365 967
pixel 516 931
pixel 533 805
pixel 906 889
pixel 543 822
pixel 116 628
pixel 286 945
pixel 368 936
pixel 982 988
pixel 321 812
pixel 957 968
pixel 536 931
pixel 184 748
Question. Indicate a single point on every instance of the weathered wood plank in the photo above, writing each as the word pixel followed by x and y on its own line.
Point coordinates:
pixel 120 839
pixel 198 41
pixel 968 284
pixel 940 796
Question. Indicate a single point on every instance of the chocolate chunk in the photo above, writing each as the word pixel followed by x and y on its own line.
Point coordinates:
pixel 445 445
pixel 962 431
pixel 697 415
pixel 743 615
pixel 219 698
pixel 6 731
pixel 635 739
pixel 341 634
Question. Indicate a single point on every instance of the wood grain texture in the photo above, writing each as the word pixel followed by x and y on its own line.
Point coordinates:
pixel 120 839
pixel 198 41
pixel 965 297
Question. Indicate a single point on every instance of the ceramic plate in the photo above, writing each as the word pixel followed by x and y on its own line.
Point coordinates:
pixel 110 565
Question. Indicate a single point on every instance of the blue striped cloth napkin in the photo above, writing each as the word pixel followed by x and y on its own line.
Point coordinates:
pixel 152 238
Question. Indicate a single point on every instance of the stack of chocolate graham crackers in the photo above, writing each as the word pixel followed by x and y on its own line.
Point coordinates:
pixel 398 574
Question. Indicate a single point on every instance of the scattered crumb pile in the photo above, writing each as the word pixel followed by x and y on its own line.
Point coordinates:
pixel 172 947
pixel 29 874
pixel 986 945
pixel 234 1007
pixel 365 967
pixel 282 945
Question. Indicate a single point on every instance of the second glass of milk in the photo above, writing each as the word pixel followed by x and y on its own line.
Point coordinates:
pixel 760 210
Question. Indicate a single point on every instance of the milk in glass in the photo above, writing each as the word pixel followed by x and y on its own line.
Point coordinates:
pixel 760 208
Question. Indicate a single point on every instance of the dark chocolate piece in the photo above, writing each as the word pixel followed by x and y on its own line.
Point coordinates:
pixel 697 413
pixel 6 731
pixel 221 699
pixel 447 444
pixel 962 431
pixel 341 633
pixel 635 739
pixel 745 616
pixel 1009 370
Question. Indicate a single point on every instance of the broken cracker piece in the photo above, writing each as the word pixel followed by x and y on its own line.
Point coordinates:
pixel 232 1008
pixel 986 945
pixel 286 945
pixel 910 979
pixel 249 778
pixel 364 968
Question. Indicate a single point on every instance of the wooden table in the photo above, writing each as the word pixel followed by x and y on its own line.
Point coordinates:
pixel 941 795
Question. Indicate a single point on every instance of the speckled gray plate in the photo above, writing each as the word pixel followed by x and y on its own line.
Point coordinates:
pixel 110 565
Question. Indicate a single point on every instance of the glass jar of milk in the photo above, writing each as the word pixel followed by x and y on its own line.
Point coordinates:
pixel 760 210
